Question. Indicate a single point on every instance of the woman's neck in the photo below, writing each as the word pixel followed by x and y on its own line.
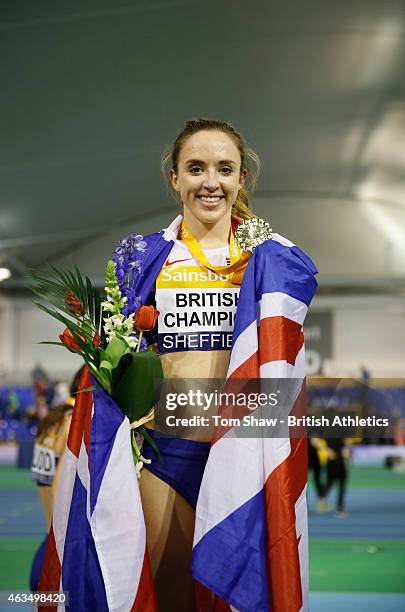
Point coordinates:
pixel 209 235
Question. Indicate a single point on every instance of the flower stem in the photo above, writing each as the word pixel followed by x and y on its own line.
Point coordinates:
pixel 138 346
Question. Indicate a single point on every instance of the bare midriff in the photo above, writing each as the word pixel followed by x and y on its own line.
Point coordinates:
pixel 193 365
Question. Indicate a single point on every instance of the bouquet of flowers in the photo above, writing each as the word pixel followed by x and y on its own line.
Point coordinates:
pixel 108 338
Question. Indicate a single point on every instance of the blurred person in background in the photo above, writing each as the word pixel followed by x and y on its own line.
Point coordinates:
pixel 41 409
pixel 314 464
pixel 337 470
pixel 42 384
pixel 50 444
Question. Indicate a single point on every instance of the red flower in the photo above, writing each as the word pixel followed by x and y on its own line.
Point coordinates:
pixel 73 305
pixel 68 339
pixel 145 318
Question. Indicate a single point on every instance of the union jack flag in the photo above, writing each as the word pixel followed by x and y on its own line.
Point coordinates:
pixel 251 540
pixel 96 548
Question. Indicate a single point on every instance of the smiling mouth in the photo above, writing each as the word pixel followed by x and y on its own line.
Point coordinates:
pixel 210 199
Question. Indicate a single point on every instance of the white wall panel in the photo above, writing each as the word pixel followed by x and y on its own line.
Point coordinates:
pixel 24 327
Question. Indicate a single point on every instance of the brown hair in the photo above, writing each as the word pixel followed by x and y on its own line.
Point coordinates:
pixel 249 159
pixel 56 415
pixel 53 420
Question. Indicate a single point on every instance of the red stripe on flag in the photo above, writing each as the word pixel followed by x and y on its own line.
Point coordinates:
pixel 248 369
pixel 283 339
pixel 145 600
pixel 83 404
pixel 282 490
pixel 51 570
pixel 206 601
pixel 220 605
pixel 87 426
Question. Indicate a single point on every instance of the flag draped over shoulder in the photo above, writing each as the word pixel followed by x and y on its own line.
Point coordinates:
pixel 250 542
pixel 96 548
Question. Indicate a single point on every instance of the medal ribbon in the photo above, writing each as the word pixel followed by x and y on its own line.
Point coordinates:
pixel 238 259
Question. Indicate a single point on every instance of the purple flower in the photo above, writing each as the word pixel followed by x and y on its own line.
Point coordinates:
pixel 135 265
pixel 128 268
pixel 141 246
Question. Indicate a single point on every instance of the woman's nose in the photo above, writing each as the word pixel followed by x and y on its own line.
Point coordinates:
pixel 211 180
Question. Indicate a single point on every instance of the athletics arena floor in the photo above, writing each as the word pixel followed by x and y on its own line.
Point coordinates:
pixel 356 563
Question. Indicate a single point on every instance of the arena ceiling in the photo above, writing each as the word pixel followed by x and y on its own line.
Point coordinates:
pixel 93 92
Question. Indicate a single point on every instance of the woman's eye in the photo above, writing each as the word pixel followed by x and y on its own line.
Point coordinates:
pixel 195 169
pixel 226 170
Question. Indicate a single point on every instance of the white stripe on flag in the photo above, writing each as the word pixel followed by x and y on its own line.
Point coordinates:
pixel 275 451
pixel 279 304
pixel 63 500
pixel 170 233
pixel 229 488
pixel 276 369
pixel 84 475
pixel 118 525
pixel 245 346
pixel 282 240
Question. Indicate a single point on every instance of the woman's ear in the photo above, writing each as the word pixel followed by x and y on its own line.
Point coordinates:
pixel 173 180
pixel 243 176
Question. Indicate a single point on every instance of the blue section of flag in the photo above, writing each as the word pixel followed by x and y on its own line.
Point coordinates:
pixel 151 261
pixel 107 418
pixel 81 572
pixel 290 271
pixel 233 567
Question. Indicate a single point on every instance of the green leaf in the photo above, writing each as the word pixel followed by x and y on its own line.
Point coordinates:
pixel 90 300
pixel 106 365
pixel 139 388
pixel 123 365
pixel 82 289
pixel 97 309
pixel 116 348
pixel 63 277
pixel 102 379
pixel 92 388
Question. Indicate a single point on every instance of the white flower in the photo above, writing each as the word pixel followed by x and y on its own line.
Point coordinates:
pixel 130 340
pixel 117 319
pixel 107 306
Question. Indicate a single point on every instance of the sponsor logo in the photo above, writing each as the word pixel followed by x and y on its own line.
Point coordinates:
pixel 170 263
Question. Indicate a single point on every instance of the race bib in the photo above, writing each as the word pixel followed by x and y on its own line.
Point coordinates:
pixel 43 465
pixel 197 306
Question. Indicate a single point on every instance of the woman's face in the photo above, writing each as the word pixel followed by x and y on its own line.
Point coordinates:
pixel 208 175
